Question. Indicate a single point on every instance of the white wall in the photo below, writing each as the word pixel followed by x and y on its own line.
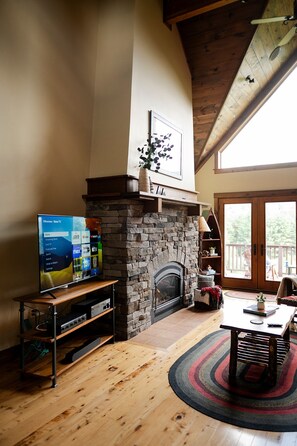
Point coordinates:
pixel 208 183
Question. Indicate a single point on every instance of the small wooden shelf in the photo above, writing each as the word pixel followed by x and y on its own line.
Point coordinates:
pixel 214 261
pixel 210 257
pixel 52 365
pixel 35 335
pixel 254 349
pixel 61 295
pixel 43 367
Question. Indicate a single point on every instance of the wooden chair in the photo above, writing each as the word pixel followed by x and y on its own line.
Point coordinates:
pixel 287 292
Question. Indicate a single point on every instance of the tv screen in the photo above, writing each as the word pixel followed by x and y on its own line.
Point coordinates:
pixel 70 250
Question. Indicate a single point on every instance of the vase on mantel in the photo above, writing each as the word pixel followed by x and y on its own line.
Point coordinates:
pixel 143 180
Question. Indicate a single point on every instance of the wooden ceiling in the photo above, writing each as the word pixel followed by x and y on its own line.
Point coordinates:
pixel 223 48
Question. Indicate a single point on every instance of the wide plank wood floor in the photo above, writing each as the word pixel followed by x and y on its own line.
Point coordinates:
pixel 119 395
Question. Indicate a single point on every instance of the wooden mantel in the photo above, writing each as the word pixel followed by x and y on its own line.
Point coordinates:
pixel 126 187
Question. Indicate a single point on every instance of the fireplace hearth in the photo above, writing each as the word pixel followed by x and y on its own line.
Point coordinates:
pixel 150 244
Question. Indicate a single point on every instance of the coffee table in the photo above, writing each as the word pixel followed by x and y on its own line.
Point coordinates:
pixel 254 342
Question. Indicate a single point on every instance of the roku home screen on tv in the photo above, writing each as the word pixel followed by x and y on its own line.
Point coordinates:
pixel 70 249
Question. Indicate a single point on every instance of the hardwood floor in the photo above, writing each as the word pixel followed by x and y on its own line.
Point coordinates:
pixel 120 395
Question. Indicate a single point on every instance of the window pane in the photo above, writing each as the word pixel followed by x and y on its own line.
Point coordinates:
pixel 237 240
pixel 267 138
pixel 280 230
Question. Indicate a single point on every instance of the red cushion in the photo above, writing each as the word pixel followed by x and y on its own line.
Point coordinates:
pixel 291 298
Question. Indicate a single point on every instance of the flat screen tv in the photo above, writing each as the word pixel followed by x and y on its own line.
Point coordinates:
pixel 70 250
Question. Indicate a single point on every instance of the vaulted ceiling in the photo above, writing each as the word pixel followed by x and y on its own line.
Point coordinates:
pixel 228 57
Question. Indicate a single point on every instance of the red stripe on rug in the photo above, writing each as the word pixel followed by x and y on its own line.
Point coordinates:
pixel 285 383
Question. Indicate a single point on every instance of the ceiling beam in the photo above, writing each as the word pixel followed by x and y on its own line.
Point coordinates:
pixel 178 10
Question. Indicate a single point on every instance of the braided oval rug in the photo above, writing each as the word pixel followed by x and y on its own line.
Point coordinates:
pixel 200 378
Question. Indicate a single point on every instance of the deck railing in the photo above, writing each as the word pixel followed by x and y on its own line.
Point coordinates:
pixel 282 257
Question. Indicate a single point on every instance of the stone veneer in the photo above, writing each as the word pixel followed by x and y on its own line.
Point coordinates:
pixel 135 245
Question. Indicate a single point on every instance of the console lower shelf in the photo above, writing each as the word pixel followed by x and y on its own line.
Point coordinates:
pixel 43 367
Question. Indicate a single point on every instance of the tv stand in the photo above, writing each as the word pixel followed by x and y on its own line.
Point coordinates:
pixel 51 294
pixel 79 336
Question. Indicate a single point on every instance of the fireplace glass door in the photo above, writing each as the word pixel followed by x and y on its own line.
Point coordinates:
pixel 168 288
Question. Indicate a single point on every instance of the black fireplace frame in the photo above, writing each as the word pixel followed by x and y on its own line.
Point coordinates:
pixel 174 304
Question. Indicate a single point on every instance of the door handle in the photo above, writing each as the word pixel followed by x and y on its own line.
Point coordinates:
pixel 255 249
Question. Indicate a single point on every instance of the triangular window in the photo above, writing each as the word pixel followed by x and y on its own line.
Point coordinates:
pixel 269 138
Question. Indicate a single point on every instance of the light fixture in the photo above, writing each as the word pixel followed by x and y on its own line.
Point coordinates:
pixel 249 79
pixel 202 225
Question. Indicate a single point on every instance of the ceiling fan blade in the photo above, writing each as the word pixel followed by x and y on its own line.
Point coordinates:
pixel 284 41
pixel 275 53
pixel 269 20
pixel 288 36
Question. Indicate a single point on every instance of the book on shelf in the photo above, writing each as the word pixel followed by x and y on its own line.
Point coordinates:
pixel 253 309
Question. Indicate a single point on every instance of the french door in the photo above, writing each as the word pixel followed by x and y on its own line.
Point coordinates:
pixel 259 241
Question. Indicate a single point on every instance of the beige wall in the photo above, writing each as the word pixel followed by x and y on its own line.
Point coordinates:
pixel 75 90
pixel 113 88
pixel 208 183
pixel 140 67
pixel 162 83
pixel 47 59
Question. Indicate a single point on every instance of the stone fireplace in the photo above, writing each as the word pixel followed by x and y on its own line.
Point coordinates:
pixel 150 244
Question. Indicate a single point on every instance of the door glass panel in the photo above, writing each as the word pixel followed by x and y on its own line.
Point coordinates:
pixel 237 240
pixel 280 239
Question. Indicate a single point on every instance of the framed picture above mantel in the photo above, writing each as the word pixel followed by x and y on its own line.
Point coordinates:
pixel 161 126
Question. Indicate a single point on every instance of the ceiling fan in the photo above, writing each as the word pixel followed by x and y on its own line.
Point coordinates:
pixel 285 19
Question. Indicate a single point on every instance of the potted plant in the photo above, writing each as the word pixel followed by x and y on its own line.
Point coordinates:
pixel 155 149
pixel 261 301
pixel 212 250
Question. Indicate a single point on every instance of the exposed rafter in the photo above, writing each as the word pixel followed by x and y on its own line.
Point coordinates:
pixel 179 10
pixel 223 51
